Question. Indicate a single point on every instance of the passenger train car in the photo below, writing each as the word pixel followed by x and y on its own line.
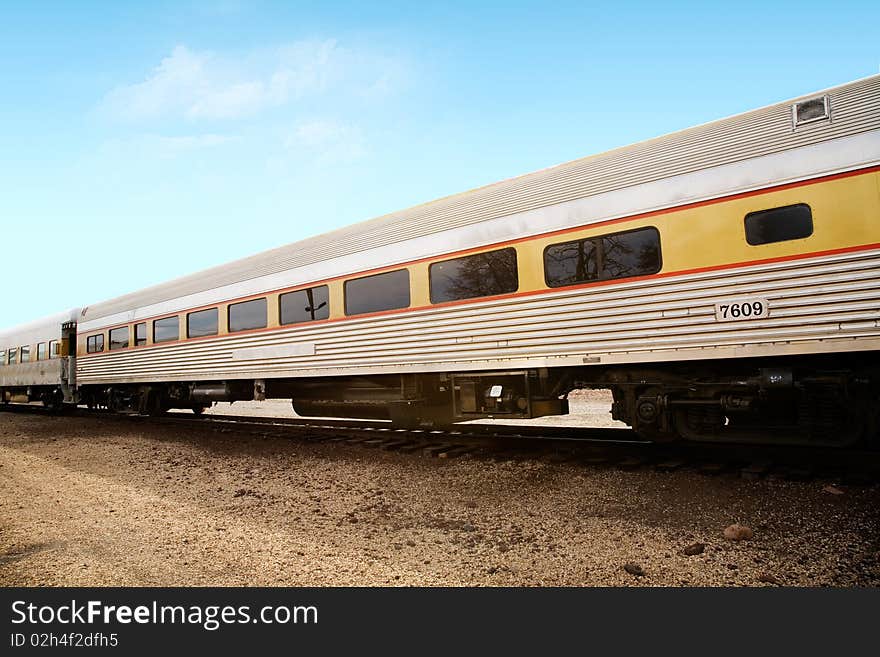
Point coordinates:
pixel 722 281
pixel 37 361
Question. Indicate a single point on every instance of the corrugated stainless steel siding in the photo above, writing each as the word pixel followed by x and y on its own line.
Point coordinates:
pixel 855 108
pixel 34 373
pixel 829 297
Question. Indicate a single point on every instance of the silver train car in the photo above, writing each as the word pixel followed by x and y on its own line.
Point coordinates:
pixel 37 361
pixel 722 281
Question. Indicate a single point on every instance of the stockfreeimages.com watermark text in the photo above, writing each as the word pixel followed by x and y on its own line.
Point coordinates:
pixel 210 617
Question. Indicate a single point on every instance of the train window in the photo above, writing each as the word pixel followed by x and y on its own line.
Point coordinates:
pixel 202 323
pixel 305 305
pixel 2 357
pixel 166 330
pixel 95 343
pixel 247 315
pixel 619 255
pixel 53 348
pixel 371 294
pixel 25 354
pixel 12 357
pixel 808 111
pixel 140 334
pixel 119 338
pixel 478 275
pixel 42 351
pixel 791 222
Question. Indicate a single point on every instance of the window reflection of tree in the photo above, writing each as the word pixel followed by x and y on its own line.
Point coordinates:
pixel 629 254
pixel 611 256
pixel 480 275
pixel 571 262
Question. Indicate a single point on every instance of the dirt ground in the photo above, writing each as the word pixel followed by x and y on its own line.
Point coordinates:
pixel 87 501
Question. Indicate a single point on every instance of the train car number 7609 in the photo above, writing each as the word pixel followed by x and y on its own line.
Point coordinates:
pixel 738 309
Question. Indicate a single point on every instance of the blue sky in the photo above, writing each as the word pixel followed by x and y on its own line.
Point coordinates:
pixel 144 141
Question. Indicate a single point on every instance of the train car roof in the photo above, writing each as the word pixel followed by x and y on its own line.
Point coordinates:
pixel 39 330
pixel 855 108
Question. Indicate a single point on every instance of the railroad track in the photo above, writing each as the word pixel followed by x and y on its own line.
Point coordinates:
pixel 598 447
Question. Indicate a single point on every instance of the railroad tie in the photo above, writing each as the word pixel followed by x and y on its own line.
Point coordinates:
pixel 756 470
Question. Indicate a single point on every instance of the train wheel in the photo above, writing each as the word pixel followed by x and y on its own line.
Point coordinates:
pixel 700 423
pixel 54 401
pixel 155 403
pixel 649 417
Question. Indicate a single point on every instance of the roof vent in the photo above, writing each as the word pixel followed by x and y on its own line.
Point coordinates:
pixel 810 110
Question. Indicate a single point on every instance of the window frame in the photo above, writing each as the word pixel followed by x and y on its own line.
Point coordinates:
pixel 281 296
pixel 381 273
pixel 45 350
pixel 127 344
pixel 781 207
pixel 475 255
pixel 56 353
pixel 216 310
pixel 166 340
pixel 90 338
pixel 230 306
pixel 135 333
pixel 2 358
pixel 12 356
pixel 600 279
pixel 24 350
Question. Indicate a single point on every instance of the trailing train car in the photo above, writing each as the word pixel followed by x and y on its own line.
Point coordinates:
pixel 722 281
pixel 37 361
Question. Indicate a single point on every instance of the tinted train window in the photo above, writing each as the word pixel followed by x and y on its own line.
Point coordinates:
pixel 42 351
pixel 53 348
pixel 305 305
pixel 166 330
pixel 247 315
pixel 95 343
pixel 119 338
pixel 479 275
pixel 140 334
pixel 371 294
pixel 791 222
pixel 202 323
pixel 619 255
pixel 25 354
pixel 13 356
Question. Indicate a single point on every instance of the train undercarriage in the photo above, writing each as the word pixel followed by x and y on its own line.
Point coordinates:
pixel 52 397
pixel 817 400
pixel 820 400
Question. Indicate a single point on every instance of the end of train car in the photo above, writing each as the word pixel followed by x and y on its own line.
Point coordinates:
pixel 38 362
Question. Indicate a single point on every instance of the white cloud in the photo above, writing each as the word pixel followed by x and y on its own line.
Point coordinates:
pixel 328 142
pixel 171 146
pixel 231 102
pixel 204 85
pixel 178 79
pixel 151 147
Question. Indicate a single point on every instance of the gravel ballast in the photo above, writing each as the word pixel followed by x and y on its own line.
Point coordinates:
pixel 104 501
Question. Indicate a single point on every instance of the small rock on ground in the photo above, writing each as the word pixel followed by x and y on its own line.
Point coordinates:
pixel 634 569
pixel 694 549
pixel 767 578
pixel 737 532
